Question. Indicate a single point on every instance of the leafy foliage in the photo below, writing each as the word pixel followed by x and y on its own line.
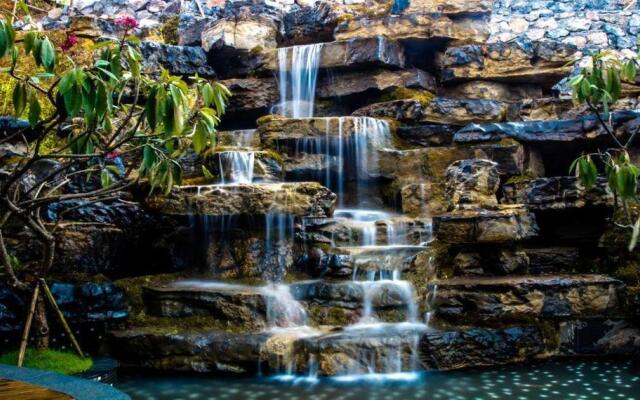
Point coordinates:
pixel 122 108
pixel 599 84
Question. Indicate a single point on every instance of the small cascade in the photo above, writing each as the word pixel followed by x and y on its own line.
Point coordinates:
pixel 298 74
pixel 236 167
pixel 283 311
pixel 380 284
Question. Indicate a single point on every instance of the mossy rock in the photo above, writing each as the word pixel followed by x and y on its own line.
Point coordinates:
pixel 169 30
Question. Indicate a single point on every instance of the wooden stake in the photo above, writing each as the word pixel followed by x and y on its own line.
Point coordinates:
pixel 199 7
pixel 27 324
pixel 66 327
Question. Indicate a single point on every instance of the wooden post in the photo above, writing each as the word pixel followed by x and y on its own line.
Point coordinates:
pixel 66 327
pixel 27 324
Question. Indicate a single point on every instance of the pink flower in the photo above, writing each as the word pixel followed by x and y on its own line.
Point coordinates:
pixel 69 42
pixel 126 21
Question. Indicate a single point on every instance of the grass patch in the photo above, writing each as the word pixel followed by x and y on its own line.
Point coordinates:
pixel 50 360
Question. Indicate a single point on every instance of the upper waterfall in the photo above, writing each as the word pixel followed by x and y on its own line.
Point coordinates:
pixel 297 75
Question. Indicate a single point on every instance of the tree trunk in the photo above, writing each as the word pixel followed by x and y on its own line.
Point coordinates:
pixel 41 325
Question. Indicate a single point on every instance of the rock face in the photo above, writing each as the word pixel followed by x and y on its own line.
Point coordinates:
pixel 576 130
pixel 472 183
pixel 439 111
pixel 301 199
pixel 179 60
pixel 500 226
pixel 476 347
pixel 558 193
pixel 353 83
pixel 240 305
pixel 513 299
pixel 416 27
pixel 251 95
pixel 244 32
pixel 518 61
pixel 187 351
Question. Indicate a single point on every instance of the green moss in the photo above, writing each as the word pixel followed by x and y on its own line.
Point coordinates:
pixel 265 119
pixel 169 30
pixel 133 289
pixel 50 360
pixel 423 96
pixel 519 179
pixel 274 155
pixel 332 316
pixel 256 50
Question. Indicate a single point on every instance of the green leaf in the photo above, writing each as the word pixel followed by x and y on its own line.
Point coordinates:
pixel 207 174
pixel 29 41
pixel 199 139
pixel 34 110
pixel 4 40
pixel 105 178
pixel 587 172
pixel 19 99
pixel 48 55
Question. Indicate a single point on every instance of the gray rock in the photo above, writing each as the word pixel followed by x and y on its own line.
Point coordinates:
pixel 179 60
pixel 574 130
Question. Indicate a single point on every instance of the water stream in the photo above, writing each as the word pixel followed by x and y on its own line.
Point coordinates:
pixel 297 78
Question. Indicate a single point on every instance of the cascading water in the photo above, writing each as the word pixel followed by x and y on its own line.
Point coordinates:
pixel 298 74
pixel 236 167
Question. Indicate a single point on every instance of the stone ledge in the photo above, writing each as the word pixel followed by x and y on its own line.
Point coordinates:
pixel 299 199
pixel 557 193
pixel 499 300
pixel 562 131
pixel 484 226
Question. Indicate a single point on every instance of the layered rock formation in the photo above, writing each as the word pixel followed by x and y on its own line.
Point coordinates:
pixel 421 217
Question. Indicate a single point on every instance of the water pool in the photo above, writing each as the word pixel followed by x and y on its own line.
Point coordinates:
pixel 591 379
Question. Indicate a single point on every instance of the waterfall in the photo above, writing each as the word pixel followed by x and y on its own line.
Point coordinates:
pixel 379 285
pixel 236 167
pixel 283 310
pixel 298 74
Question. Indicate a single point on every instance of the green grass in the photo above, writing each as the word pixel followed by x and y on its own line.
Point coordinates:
pixel 50 360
